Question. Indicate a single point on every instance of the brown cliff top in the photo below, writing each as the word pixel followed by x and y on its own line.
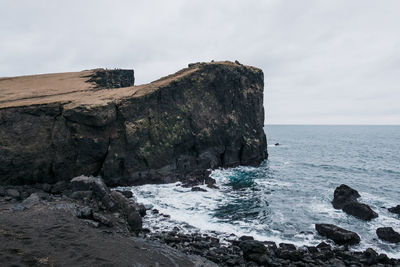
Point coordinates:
pixel 76 87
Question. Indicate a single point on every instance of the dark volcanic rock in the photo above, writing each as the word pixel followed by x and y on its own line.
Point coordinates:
pixel 359 210
pixel 395 209
pixel 206 116
pixel 339 235
pixel 198 189
pixel 344 194
pixel 388 234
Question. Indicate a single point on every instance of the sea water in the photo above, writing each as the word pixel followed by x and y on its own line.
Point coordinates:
pixel 282 199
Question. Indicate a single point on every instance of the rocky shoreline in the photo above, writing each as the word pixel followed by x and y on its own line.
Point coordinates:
pixel 116 218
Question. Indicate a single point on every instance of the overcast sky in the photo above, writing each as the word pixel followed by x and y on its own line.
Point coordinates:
pixel 325 62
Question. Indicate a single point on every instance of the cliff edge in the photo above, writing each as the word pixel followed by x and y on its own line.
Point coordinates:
pixel 57 126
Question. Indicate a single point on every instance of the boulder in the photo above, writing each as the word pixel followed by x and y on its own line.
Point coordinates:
pixel 344 194
pixel 388 234
pixel 14 193
pixel 339 235
pixel 254 251
pixel 198 189
pixel 83 212
pixel 99 189
pixel 360 211
pixel 102 219
pixel 395 209
pixel 126 193
pixel 134 221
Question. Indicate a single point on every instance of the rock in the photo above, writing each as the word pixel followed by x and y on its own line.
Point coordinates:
pixel 141 209
pixel 59 187
pixel 277 144
pixel 388 234
pixel 324 246
pixel 395 209
pixel 246 237
pixel 46 187
pixel 14 193
pixel 360 211
pixel 339 235
pixel 84 212
pixel 126 193
pixel 344 194
pixel 102 219
pixel 207 116
pixel 155 211
pixel 2 191
pixel 32 200
pixel 198 189
pixel 254 251
pixel 18 207
pixel 80 195
pixel 134 221
pixel 99 189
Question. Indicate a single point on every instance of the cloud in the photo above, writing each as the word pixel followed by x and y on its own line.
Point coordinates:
pixel 321 59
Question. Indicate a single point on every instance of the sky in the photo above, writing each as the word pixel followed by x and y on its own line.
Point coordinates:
pixel 324 62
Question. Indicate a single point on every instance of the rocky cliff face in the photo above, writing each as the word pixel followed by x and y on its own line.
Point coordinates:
pixel 205 116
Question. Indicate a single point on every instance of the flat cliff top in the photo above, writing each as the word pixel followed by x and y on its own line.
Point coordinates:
pixel 80 87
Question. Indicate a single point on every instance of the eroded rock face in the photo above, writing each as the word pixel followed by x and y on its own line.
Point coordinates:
pixel 205 116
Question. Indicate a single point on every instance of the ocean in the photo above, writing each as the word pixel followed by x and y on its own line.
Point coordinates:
pixel 284 197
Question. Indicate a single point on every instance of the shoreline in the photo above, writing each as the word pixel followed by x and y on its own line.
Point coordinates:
pixel 199 249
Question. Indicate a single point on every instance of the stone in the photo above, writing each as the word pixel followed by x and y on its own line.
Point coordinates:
pixel 395 209
pixel 46 187
pixel 198 189
pixel 59 187
pixel 2 191
pixel 80 195
pixel 360 211
pixel 339 235
pixel 252 247
pixel 203 117
pixel 14 193
pixel 126 193
pixel 32 200
pixel 102 219
pixel 246 237
pixel 344 194
pixel 388 234
pixel 134 221
pixel 141 209
pixel 84 212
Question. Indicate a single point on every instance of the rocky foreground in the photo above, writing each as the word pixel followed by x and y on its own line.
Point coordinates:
pixel 84 223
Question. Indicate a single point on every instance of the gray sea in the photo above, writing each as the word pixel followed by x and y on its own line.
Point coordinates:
pixel 284 197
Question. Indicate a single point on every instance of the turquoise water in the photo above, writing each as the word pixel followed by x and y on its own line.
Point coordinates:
pixel 284 197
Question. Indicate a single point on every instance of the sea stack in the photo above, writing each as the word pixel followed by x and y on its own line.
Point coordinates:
pixel 96 122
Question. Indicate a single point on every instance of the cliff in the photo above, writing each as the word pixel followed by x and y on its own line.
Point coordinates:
pixel 57 126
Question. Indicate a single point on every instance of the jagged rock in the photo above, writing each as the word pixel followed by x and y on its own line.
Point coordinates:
pixel 206 116
pixel 395 209
pixel 388 234
pixel 254 251
pixel 99 189
pixel 360 211
pixel 339 235
pixel 344 194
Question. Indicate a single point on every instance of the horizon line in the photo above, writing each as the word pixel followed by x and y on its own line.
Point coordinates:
pixel 320 124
